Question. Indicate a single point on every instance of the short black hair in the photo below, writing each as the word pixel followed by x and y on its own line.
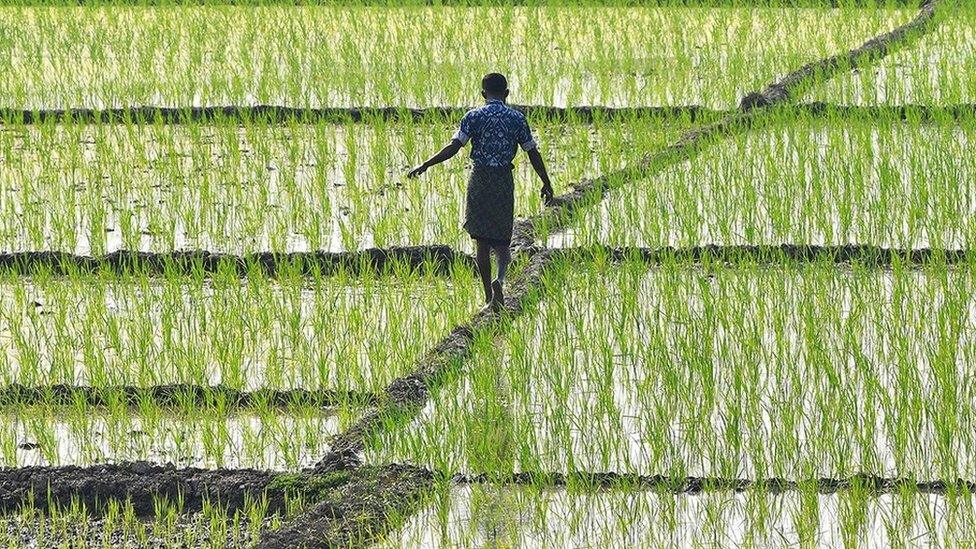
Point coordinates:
pixel 494 82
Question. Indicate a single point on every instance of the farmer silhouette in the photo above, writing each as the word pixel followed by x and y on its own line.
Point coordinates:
pixel 494 130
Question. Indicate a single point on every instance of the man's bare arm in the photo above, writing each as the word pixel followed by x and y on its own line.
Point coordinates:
pixel 539 165
pixel 446 153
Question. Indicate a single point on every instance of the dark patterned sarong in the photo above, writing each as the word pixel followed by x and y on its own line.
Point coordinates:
pixel 490 207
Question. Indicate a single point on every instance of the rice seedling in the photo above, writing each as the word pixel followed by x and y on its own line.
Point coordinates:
pixel 92 189
pixel 415 56
pixel 938 70
pixel 197 436
pixel 527 516
pixel 792 180
pixel 119 527
pixel 316 332
pixel 752 371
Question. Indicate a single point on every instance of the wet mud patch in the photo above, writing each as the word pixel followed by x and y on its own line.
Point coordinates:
pixel 188 531
pixel 139 483
pixel 371 502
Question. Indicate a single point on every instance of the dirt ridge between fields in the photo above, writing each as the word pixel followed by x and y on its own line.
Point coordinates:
pixel 406 395
pixel 871 483
pixel 868 52
pixel 360 512
pixel 138 482
pixel 178 395
pixel 800 253
pixel 439 258
pixel 369 510
pixel 339 115
pixel 580 114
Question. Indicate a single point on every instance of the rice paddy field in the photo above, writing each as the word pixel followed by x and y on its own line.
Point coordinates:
pixel 228 319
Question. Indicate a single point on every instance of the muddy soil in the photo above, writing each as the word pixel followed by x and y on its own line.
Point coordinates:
pixel 190 532
pixel 138 482
pixel 373 501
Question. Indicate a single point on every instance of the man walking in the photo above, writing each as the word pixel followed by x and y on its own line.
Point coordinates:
pixel 494 130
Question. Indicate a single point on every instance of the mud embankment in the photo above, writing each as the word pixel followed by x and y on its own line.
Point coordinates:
pixel 373 501
pixel 694 485
pixel 177 395
pixel 140 483
pixel 784 253
pixel 406 395
pixel 794 83
pixel 277 114
pixel 437 258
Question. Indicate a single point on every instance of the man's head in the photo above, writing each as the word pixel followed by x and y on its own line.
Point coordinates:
pixel 494 86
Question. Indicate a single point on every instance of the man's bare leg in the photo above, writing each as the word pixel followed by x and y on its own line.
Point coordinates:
pixel 483 260
pixel 503 255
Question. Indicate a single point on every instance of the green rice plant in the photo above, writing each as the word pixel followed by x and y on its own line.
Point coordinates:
pixel 198 436
pixel 522 516
pixel 311 56
pixel 317 332
pixel 795 180
pixel 750 370
pixel 936 71
pixel 92 189
pixel 75 526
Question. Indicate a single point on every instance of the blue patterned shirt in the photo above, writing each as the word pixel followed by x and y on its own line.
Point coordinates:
pixel 494 130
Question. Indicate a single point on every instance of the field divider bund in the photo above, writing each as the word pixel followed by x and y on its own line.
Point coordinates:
pixel 870 51
pixel 405 396
pixel 863 254
pixel 695 485
pixel 136 482
pixel 438 258
pixel 276 114
pixel 273 114
pixel 325 524
pixel 178 395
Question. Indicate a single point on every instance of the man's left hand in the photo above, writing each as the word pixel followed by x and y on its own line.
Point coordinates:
pixel 546 193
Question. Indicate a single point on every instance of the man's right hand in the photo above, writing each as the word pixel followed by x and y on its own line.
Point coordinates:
pixel 414 173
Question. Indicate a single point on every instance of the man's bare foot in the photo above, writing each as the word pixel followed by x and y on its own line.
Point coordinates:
pixel 497 296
